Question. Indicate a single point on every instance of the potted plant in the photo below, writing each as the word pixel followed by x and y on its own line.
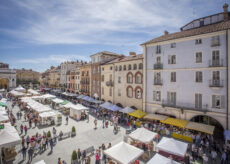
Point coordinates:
pixel 74 157
pixel 49 134
pixel 73 131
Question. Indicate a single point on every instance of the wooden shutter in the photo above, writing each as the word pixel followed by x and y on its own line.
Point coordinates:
pixel 213 101
pixel 168 97
pixel 154 95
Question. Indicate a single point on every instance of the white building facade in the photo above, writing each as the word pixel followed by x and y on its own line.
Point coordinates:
pixel 187 73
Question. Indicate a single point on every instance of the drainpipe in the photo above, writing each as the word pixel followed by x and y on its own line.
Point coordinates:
pixel 227 78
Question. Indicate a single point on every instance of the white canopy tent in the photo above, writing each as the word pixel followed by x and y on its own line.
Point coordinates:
pixel 40 162
pixel 16 93
pixel 127 110
pixel 143 135
pixel 3 118
pixel 159 159
pixel 47 114
pixel 20 89
pixel 9 136
pixel 172 146
pixel 124 153
pixel 76 110
pixel 57 100
pixel 33 92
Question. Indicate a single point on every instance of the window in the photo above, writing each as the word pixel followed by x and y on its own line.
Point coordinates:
pixel 102 77
pixel 199 77
pixel 98 69
pixel 158 50
pixel 198 101
pixel 110 77
pixel 201 23
pixel 134 67
pixel 172 59
pixel 171 98
pixel 157 78
pixel 173 45
pixel 138 93
pixel 216 58
pixel 102 68
pixel 102 90
pixel 130 67
pixel 140 66
pixel 173 76
pixel 120 68
pixel 110 91
pixel 198 57
pixel 119 92
pixel 115 68
pixel 124 67
pixel 218 101
pixel 156 95
pixel 198 41
pixel 158 59
pixel 130 92
pixel 119 79
pixel 130 78
pixel 215 41
pixel 138 79
pixel 111 68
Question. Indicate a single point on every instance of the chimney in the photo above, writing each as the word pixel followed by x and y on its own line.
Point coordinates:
pixel 225 7
pixel 132 53
pixel 166 32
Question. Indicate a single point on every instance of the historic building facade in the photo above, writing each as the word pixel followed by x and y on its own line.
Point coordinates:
pixel 187 74
pixel 7 77
pixel 96 60
pixel 28 78
pixel 54 75
pixel 85 79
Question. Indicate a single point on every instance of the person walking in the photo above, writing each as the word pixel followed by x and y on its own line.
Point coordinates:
pixel 88 118
pixel 21 128
pixel 51 145
pixel 78 155
pixel 27 141
pixel 103 122
pixel 30 152
pixel 223 157
pixel 95 123
pixel 24 152
pixel 67 119
pixel 213 155
pixel 25 129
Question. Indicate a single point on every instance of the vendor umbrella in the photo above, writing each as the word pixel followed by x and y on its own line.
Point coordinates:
pixel 65 102
pixel 3 104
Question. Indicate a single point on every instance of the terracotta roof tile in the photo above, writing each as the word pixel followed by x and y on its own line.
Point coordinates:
pixel 192 32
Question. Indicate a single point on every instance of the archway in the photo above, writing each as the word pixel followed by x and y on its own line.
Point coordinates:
pixel 219 129
pixel 4 83
pixel 120 105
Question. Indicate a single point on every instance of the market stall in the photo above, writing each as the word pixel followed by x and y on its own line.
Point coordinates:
pixel 56 103
pixel 171 147
pixel 158 117
pixel 124 153
pixel 115 108
pixel 3 118
pixel 159 159
pixel 16 93
pixel 143 135
pixel 40 162
pixel 106 105
pixel 77 111
pixel 138 114
pixel 33 92
pixel 47 118
pixel 9 139
pixel 20 89
pixel 209 129
pixel 127 110
pixel 175 122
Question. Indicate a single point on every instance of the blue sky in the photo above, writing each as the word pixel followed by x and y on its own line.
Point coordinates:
pixel 39 33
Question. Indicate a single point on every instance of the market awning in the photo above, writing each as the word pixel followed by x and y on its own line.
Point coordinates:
pixel 159 117
pixel 127 110
pixel 143 135
pixel 65 102
pixel 175 122
pixel 3 104
pixel 115 108
pixel 138 113
pixel 160 159
pixel 209 129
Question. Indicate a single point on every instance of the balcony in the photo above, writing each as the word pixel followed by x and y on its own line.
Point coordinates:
pixel 109 83
pixel 184 106
pixel 158 82
pixel 158 66
pixel 216 63
pixel 215 44
pixel 216 83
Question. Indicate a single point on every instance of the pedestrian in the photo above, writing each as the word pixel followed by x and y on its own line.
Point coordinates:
pixel 44 144
pixel 205 159
pixel 30 123
pixel 88 160
pixel 51 145
pixel 78 155
pixel 59 161
pixel 21 128
pixel 97 157
pixel 67 118
pixel 24 153
pixel 30 152
pixel 214 155
pixel 87 117
pixel 83 156
pixel 25 129
pixel 27 141
pixel 95 123
pixel 54 134
pixel 103 122
pixel 23 141
pixel 63 162
pixel 223 157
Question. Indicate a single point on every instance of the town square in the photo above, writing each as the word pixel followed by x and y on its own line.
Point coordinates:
pixel 117 82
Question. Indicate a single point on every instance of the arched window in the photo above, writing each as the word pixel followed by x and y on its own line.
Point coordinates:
pixel 140 66
pixel 115 68
pixel 134 67
pixel 138 93
pixel 120 68
pixel 129 77
pixel 130 92
pixel 124 67
pixel 130 67
pixel 138 78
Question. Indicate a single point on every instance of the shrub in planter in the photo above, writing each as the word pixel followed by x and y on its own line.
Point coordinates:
pixel 73 131
pixel 49 134
pixel 74 156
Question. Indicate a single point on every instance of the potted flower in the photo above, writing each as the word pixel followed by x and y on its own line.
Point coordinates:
pixel 74 157
pixel 73 131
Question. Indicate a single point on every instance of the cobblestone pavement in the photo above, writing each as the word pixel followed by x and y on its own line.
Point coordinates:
pixel 86 136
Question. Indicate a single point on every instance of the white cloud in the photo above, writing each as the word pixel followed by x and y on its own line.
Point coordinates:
pixel 97 21
pixel 54 59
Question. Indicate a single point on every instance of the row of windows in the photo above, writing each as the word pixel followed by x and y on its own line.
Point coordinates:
pixel 215 41
pixel 124 68
pixel 216 61
pixel 129 92
pixel 198 77
pixel 218 101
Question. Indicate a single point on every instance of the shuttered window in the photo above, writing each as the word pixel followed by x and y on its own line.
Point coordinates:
pixel 218 101
pixel 198 101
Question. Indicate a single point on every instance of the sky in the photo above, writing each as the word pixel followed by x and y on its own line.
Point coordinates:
pixel 37 34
